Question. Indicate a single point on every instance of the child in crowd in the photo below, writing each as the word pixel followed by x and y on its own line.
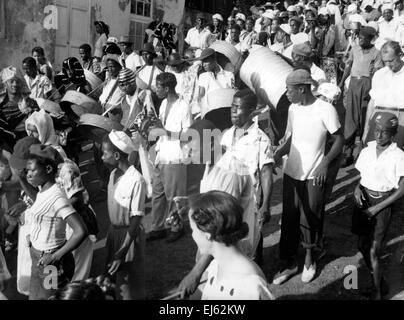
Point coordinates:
pixel 381 167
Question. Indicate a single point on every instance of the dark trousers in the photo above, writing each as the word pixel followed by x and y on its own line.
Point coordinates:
pixel 357 101
pixel 42 284
pixel 302 216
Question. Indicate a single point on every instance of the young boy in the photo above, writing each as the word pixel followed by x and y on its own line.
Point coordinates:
pixel 126 206
pixel 381 166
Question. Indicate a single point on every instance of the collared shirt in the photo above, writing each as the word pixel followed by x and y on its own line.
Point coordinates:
pixel 93 65
pixel 131 107
pixel 364 61
pixel 39 86
pixel 308 126
pixel 47 216
pixel 381 173
pixel 126 197
pixel 387 88
pixel 175 119
pixel 252 147
pixel 195 38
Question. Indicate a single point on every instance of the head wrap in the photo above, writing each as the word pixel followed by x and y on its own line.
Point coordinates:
pixel 126 76
pixel 44 125
pixel 77 73
pixel 217 16
pixel 386 120
pixel 69 178
pixel 11 72
pixel 122 141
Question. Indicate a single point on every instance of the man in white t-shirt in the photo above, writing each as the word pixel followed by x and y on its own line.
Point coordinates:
pixel 129 58
pixel 169 178
pixel 309 121
pixel 296 36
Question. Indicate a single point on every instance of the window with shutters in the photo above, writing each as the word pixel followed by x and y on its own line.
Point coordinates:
pixel 141 8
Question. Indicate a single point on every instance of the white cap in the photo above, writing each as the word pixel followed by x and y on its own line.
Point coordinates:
pixel 323 11
pixel 329 90
pixel 122 141
pixel 240 16
pixel 286 28
pixel 357 18
pixel 112 40
pixel 388 6
pixel 292 8
pixel 269 14
pixel 217 16
pixel 352 8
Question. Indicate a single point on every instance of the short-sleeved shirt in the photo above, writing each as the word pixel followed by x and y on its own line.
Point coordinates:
pixel 195 38
pixel 39 86
pixel 253 148
pixel 126 197
pixel 177 119
pixel 309 126
pixel 47 216
pixel 364 61
pixel 387 88
pixel 100 43
pixel 381 173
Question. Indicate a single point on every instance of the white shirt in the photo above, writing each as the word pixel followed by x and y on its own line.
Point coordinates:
pixel 387 31
pixel 234 286
pixel 39 86
pixel 224 80
pixel 252 148
pixel 47 216
pixel 317 73
pixel 308 126
pixel 387 88
pixel 132 61
pixel 178 119
pixel 381 173
pixel 300 37
pixel 195 38
pixel 115 98
pixel 126 198
pixel 146 76
pixel 258 26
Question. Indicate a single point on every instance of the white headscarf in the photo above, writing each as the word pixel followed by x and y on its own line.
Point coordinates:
pixel 44 125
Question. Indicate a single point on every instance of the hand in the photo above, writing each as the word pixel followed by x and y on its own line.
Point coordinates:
pixel 114 266
pixel 372 211
pixel 189 284
pixel 320 174
pixel 47 259
pixel 265 213
pixel 359 196
pixel 16 210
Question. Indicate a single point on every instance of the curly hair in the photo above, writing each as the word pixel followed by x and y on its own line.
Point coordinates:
pixel 219 214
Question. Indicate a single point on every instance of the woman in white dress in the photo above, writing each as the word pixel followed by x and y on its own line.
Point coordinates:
pixel 216 220
pixel 103 30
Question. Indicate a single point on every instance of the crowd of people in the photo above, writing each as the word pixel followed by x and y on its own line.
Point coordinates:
pixel 343 106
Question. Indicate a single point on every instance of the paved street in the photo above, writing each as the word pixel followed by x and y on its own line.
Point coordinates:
pixel 166 264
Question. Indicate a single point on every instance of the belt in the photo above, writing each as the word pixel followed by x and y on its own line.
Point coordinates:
pixel 390 109
pixel 360 77
pixel 377 194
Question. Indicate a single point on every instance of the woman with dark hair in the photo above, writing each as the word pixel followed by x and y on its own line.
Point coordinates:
pixel 72 77
pixel 43 64
pixel 103 30
pixel 216 220
pixel 50 214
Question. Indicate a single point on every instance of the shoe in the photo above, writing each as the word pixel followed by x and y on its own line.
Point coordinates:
pixel 308 274
pixel 156 234
pixel 174 236
pixel 284 275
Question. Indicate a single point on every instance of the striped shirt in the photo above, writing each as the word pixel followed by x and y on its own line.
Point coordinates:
pixel 47 215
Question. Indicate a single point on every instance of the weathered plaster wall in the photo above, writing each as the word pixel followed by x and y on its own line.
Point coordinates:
pixel 24 31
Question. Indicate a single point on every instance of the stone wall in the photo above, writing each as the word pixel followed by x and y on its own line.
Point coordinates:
pixel 24 30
